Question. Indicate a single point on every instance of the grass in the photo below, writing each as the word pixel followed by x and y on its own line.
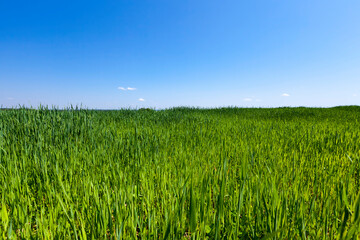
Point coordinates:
pixel 181 173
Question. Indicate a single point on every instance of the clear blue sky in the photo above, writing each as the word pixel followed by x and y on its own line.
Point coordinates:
pixel 209 53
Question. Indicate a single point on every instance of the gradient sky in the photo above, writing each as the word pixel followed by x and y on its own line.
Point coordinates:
pixel 119 54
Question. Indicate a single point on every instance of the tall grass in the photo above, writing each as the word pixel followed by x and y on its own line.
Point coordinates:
pixel 181 173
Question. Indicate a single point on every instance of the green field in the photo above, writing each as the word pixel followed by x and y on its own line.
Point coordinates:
pixel 181 173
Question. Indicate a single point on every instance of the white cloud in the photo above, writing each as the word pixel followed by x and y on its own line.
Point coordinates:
pixel 354 95
pixel 127 89
pixel 141 100
pixel 285 95
pixel 258 100
pixel 247 99
pixel 10 98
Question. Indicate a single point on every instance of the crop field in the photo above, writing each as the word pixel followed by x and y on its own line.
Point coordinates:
pixel 181 173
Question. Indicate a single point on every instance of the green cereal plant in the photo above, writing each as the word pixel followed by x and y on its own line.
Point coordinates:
pixel 180 173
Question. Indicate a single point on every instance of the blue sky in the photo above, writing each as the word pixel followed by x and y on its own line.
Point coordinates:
pixel 209 53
